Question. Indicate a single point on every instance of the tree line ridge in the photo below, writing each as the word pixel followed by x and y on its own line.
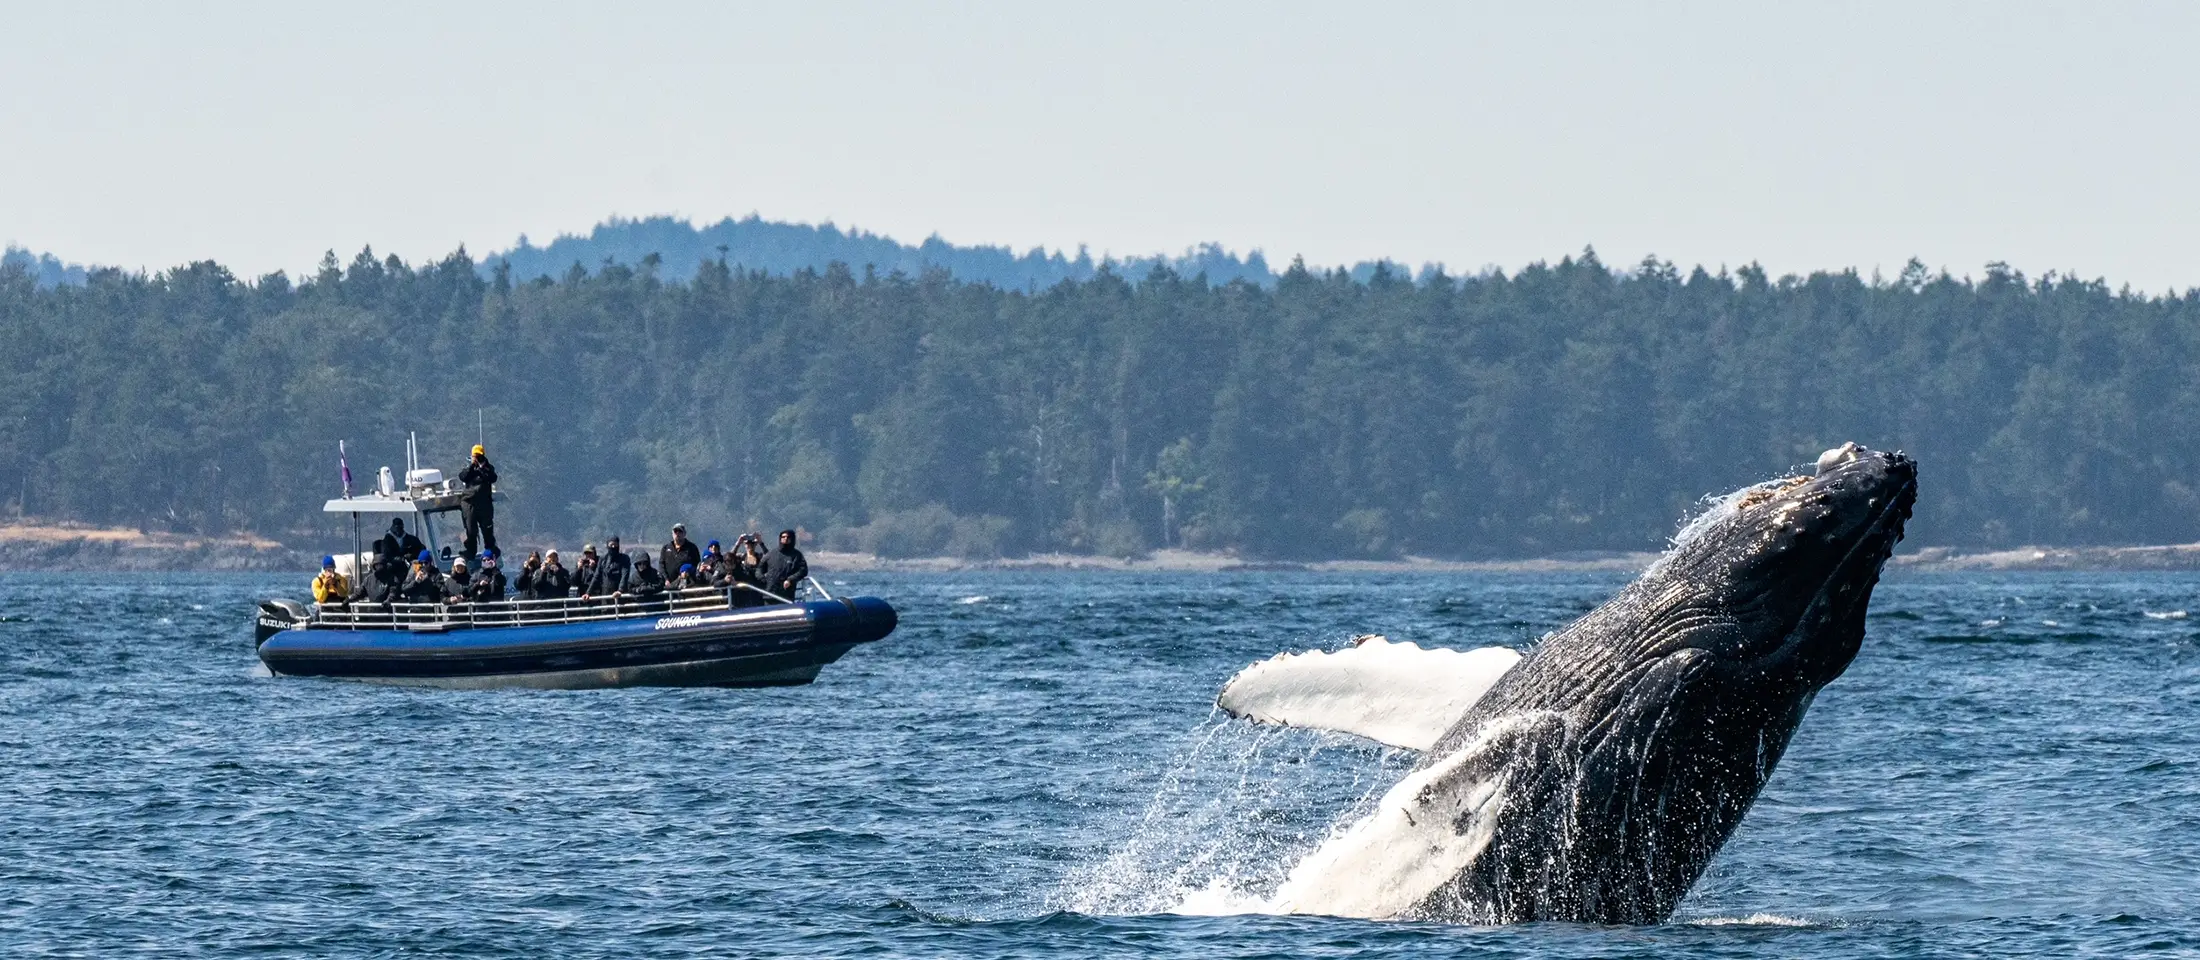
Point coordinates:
pixel 1563 407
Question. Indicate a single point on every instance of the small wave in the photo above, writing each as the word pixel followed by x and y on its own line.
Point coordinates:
pixel 980 598
pixel 899 905
pixel 1754 920
pixel 2164 614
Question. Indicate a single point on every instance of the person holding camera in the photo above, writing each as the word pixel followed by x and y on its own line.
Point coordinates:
pixel 478 506
pixel 740 571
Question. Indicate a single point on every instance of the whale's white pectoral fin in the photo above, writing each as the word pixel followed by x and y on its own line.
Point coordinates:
pixel 1394 693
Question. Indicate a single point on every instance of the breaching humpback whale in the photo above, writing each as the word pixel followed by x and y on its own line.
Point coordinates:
pixel 1593 779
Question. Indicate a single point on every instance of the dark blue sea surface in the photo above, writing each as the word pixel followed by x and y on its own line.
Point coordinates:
pixel 1030 767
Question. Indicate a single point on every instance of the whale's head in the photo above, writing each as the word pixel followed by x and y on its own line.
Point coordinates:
pixel 1793 563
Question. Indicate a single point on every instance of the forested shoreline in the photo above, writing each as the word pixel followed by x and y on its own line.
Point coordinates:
pixel 1565 407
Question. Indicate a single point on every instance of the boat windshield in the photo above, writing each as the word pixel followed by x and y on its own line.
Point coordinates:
pixel 447 528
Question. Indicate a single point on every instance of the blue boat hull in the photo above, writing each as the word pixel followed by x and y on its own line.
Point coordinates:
pixel 759 646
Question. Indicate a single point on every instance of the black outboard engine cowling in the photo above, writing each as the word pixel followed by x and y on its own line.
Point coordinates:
pixel 275 617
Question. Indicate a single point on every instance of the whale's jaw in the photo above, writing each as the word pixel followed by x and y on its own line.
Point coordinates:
pixel 1595 780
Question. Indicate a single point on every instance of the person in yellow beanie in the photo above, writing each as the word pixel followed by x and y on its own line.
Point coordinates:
pixel 478 507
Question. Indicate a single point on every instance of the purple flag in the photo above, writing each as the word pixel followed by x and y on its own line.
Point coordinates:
pixel 344 461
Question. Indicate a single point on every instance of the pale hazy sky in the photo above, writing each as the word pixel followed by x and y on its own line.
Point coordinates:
pixel 2052 136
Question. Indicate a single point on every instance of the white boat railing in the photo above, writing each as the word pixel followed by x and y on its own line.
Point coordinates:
pixel 362 615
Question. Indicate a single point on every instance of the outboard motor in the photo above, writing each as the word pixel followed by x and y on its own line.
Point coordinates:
pixel 275 617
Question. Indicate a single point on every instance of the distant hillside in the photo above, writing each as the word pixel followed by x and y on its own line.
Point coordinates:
pixel 783 248
pixel 44 268
pixel 780 248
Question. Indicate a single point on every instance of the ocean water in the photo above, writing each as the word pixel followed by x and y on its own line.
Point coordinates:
pixel 1030 767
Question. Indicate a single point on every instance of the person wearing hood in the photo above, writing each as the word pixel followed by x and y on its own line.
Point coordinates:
pixel 384 579
pixel 785 568
pixel 612 572
pixel 644 583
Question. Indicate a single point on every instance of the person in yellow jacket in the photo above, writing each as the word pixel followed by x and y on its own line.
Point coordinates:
pixel 330 586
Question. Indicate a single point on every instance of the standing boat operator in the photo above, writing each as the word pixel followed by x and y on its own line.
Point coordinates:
pixel 478 507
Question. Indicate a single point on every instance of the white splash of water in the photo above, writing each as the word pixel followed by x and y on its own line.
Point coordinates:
pixel 1423 831
pixel 980 598
pixel 1236 808
pixel 2164 614
pixel 1754 920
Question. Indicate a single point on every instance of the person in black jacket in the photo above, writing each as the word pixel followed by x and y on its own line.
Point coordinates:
pixel 643 579
pixel 690 578
pixel 680 552
pixel 523 585
pixel 479 506
pixel 398 544
pixel 425 583
pixel 458 587
pixel 385 576
pixel 743 570
pixel 552 580
pixel 618 569
pixel 488 585
pixel 645 584
pixel 612 572
pixel 785 568
pixel 584 572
